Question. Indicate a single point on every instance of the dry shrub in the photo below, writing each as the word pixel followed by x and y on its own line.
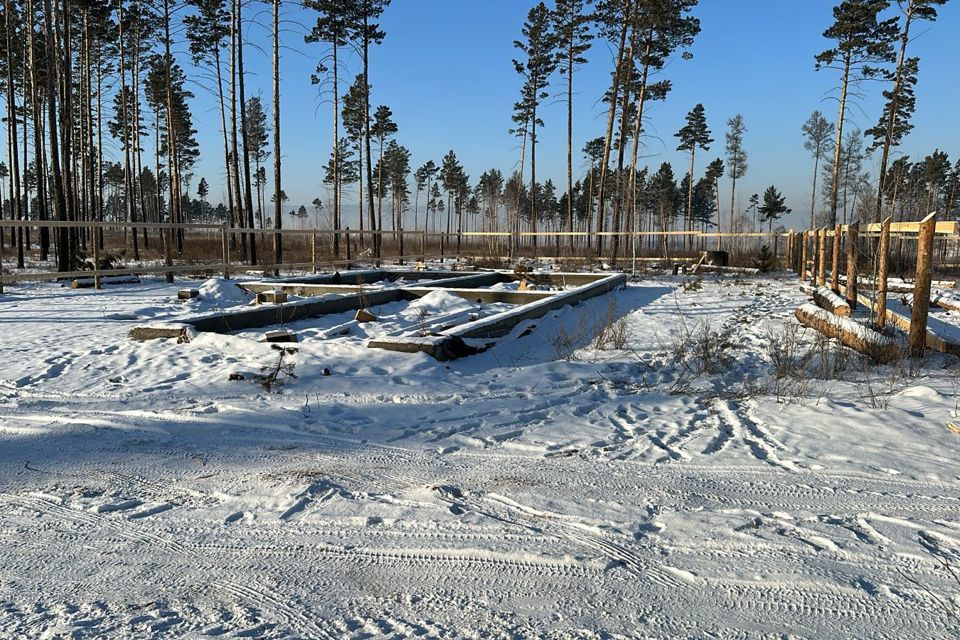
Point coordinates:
pixel 611 330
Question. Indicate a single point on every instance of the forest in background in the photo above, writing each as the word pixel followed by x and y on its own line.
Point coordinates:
pixel 78 73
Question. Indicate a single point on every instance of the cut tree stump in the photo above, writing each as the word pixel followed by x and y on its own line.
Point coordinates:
pixel 825 298
pixel 851 334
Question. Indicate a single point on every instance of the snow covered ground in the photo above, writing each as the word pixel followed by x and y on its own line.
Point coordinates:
pixel 544 488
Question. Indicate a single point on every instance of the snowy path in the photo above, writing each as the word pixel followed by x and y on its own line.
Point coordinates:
pixel 511 494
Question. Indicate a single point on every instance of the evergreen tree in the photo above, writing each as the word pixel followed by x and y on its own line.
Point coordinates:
pixel 900 99
pixel 257 138
pixel 572 27
pixel 861 42
pixel 383 127
pixel 816 131
pixel 736 158
pixel 539 46
pixel 336 22
pixel 692 135
pixel 774 206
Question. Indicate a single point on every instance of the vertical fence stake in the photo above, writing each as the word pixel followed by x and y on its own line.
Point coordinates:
pixel 803 257
pixel 225 251
pixel 822 257
pixel 348 247
pixel 835 259
pixel 423 247
pixel 788 259
pixel 853 233
pixel 882 269
pixel 313 250
pixel 921 287
pixel 168 235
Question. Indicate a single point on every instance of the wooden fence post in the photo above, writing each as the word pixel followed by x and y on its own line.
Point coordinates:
pixel 313 249
pixel 168 235
pixel 853 232
pixel 423 246
pixel 348 247
pixel 788 258
pixel 822 257
pixel 835 260
pixel 882 269
pixel 776 251
pixel 921 287
pixel 225 251
pixel 803 257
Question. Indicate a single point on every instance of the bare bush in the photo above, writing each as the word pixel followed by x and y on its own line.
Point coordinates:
pixel 611 331
pixel 565 343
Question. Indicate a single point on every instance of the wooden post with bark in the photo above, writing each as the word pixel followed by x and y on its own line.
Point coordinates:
pixel 313 249
pixel 835 261
pixel 776 250
pixel 853 232
pixel 882 271
pixel 225 251
pixel 788 259
pixel 803 257
pixel 921 287
pixel 822 257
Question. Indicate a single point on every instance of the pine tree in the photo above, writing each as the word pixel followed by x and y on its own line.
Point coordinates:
pixel 862 41
pixel 539 48
pixel 354 123
pixel 774 206
pixel 816 131
pixel 692 135
pixel 423 177
pixel 383 127
pixel 736 158
pixel 334 26
pixel 572 27
pixel 365 30
pixel 257 134
pixel 900 99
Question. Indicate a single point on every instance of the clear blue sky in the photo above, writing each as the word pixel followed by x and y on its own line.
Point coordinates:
pixel 445 70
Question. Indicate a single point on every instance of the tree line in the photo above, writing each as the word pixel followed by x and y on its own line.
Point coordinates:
pixel 80 75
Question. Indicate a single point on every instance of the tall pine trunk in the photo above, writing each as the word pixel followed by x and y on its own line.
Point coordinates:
pixel 277 215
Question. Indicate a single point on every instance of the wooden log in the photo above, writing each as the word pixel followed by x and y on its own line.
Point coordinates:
pixel 827 299
pixel 853 231
pixel 822 257
pixel 883 268
pixel 921 289
pixel 835 259
pixel 850 333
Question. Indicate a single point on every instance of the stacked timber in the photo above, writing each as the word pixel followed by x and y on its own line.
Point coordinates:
pixel 852 334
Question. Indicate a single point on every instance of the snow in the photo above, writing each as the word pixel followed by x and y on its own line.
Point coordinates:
pixel 543 488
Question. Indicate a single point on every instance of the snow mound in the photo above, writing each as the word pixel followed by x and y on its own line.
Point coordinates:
pixel 225 292
pixel 439 302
